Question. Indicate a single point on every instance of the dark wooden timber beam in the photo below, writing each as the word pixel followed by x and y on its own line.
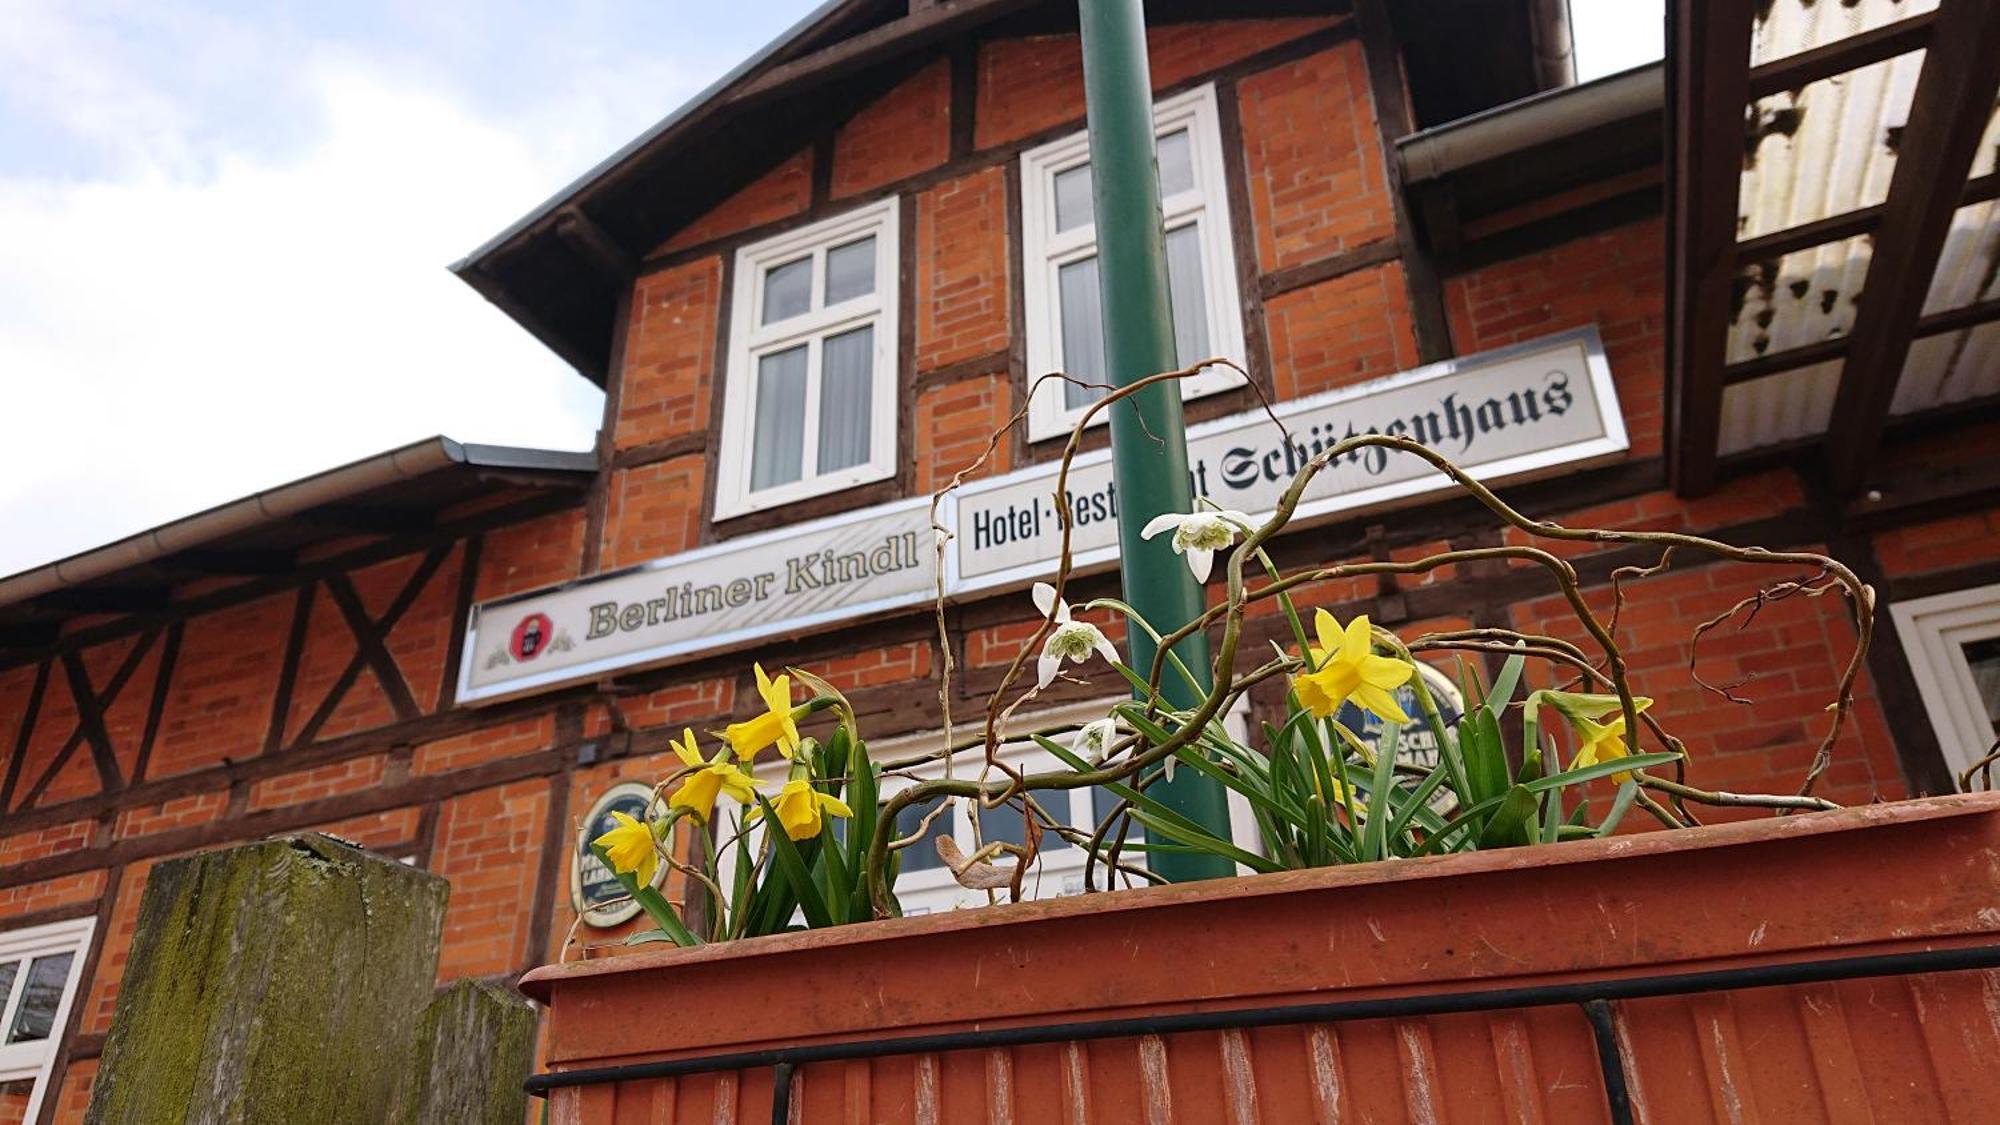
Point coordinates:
pixel 1842 55
pixel 1834 228
pixel 104 599
pixel 559 342
pixel 234 563
pixel 1708 88
pixel 922 26
pixel 1394 118
pixel 367 520
pixel 33 634
pixel 1819 351
pixel 595 245
pixel 1948 115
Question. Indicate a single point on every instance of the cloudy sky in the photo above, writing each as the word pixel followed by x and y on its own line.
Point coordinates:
pixel 224 228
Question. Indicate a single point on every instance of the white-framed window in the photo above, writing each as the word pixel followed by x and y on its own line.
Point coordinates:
pixel 924 885
pixel 1064 316
pixel 809 403
pixel 39 967
pixel 1953 642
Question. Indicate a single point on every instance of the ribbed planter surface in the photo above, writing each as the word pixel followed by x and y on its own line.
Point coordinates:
pixel 1913 878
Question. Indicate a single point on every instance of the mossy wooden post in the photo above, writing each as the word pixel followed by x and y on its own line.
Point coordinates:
pixel 277 981
pixel 475 1049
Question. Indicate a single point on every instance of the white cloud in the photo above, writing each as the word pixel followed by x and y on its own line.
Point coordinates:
pixel 172 340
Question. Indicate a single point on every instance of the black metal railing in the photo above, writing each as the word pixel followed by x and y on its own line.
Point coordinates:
pixel 1595 997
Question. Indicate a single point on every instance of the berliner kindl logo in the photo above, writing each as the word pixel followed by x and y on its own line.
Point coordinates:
pixel 531 636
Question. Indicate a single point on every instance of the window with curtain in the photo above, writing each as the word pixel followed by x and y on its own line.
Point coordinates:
pixel 1059 240
pixel 810 404
pixel 38 974
pixel 924 885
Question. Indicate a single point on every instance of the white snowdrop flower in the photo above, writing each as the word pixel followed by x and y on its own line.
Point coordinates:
pixel 1072 640
pixel 1093 740
pixel 1198 535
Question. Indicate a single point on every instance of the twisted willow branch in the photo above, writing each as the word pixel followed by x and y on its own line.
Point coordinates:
pixel 1232 611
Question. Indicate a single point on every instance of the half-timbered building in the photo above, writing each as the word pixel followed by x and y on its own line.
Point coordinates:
pixel 824 287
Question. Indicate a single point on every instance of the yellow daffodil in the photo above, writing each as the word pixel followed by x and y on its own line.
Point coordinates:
pixel 1347 668
pixel 802 809
pixel 713 778
pixel 774 725
pixel 630 848
pixel 1599 741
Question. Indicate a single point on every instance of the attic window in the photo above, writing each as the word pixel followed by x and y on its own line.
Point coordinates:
pixel 810 402
pixel 1059 241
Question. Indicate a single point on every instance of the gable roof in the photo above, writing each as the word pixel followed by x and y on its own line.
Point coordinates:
pixel 400 494
pixel 562 269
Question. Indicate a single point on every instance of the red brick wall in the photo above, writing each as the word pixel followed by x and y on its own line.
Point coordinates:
pixel 670 354
pixel 655 510
pixel 779 193
pixel 350 776
pixel 899 134
pixel 961 252
pixel 1347 330
pixel 489 745
pixel 1953 541
pixel 960 419
pixel 1315 164
pixel 1033 84
pixel 530 555
pixel 489 845
pixel 219 700
pixel 115 944
pixel 1615 280
pixel 1786 662
pixel 191 811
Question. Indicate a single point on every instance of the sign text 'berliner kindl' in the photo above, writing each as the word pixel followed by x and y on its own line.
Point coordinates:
pixel 1512 414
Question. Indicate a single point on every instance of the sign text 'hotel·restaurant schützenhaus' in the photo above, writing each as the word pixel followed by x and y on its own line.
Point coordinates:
pixel 1504 415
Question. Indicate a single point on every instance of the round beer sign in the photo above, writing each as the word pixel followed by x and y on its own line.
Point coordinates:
pixel 1418 745
pixel 594 891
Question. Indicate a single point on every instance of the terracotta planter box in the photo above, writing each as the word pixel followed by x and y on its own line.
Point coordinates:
pixel 1399 963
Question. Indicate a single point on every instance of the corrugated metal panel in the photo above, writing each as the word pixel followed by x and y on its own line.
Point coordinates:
pixel 1914 1049
pixel 1790 26
pixel 1802 298
pixel 1953 367
pixel 1825 150
pixel 1778 408
pixel 1968 270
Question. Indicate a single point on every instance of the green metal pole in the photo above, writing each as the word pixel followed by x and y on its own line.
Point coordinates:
pixel 1149 456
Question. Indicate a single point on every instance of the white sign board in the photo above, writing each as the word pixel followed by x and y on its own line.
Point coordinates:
pixel 1500 415
pixel 778 583
pixel 1505 415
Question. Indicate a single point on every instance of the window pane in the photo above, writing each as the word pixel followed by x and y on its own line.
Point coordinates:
pixel 1176 163
pixel 778 438
pixel 921 856
pixel 7 972
pixel 1984 657
pixel 845 389
pixel 787 290
pixel 850 271
pixel 40 994
pixel 1082 331
pixel 1186 293
pixel 1073 203
pixel 1102 801
pixel 1005 825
